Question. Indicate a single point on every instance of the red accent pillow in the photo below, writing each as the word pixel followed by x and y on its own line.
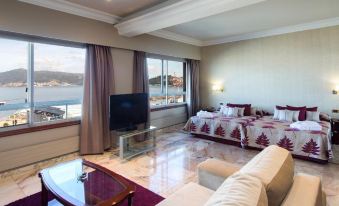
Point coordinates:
pixel 280 107
pixel 302 111
pixel 247 111
pixel 312 109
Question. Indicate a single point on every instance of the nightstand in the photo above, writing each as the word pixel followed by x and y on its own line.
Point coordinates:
pixel 335 131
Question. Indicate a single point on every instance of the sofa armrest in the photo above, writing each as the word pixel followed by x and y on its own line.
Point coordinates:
pixel 306 190
pixel 212 172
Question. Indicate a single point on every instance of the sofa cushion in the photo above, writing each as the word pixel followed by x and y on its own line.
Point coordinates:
pixel 191 194
pixel 241 190
pixel 275 168
pixel 305 186
pixel 213 172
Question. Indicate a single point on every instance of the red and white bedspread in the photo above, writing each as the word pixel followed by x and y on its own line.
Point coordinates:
pixel 230 128
pixel 310 144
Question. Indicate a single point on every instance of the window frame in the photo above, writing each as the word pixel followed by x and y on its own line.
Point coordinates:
pixel 32 126
pixel 169 58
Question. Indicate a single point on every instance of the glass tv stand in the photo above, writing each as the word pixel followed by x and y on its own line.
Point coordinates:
pixel 132 143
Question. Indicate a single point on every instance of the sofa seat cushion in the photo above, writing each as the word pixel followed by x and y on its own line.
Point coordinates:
pixel 241 190
pixel 275 168
pixel 213 172
pixel 191 194
pixel 306 190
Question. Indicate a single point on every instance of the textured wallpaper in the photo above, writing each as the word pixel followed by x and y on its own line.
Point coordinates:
pixel 299 68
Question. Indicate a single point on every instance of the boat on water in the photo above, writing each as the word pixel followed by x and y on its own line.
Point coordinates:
pixel 2 103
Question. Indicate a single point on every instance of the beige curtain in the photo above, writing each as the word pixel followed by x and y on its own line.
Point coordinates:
pixel 140 76
pixel 95 133
pixel 193 97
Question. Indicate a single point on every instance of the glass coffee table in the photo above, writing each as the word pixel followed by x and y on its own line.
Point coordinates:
pixel 80 182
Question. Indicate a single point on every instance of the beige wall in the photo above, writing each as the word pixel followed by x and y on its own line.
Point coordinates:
pixel 298 69
pixel 123 71
pixel 23 149
pixel 29 19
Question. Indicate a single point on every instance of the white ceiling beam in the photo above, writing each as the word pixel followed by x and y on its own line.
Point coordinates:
pixel 76 9
pixel 176 13
pixel 67 7
pixel 176 37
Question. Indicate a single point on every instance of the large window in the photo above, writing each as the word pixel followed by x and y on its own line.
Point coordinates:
pixel 167 81
pixel 39 82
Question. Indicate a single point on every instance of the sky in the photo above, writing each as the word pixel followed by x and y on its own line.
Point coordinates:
pixel 14 55
pixel 154 68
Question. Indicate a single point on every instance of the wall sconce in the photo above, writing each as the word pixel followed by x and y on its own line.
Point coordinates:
pixel 336 90
pixel 217 88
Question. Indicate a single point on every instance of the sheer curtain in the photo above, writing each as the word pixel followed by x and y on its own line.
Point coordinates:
pixel 140 76
pixel 95 133
pixel 193 97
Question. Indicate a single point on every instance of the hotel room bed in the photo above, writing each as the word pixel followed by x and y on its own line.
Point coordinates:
pixel 254 132
pixel 231 129
pixel 311 145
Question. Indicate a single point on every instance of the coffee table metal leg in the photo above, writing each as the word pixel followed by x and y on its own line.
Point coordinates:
pixel 44 195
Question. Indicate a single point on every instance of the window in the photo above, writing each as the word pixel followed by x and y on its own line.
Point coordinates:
pixel 167 81
pixel 39 82
pixel 13 80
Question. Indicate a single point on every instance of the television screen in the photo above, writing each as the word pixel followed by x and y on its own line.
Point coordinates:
pixel 128 110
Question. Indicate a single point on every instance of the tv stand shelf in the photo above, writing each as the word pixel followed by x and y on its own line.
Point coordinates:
pixel 135 142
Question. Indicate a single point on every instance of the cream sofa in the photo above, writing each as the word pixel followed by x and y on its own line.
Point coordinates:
pixel 267 179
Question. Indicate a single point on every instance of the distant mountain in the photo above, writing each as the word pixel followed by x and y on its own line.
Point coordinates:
pixel 18 77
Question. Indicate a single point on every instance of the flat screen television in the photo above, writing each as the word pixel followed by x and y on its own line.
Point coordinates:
pixel 128 110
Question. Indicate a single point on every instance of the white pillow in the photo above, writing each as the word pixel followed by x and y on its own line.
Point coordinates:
pixel 313 116
pixel 276 113
pixel 232 112
pixel 241 111
pixel 295 115
pixel 221 110
pixel 286 115
pixel 253 111
pixel 224 110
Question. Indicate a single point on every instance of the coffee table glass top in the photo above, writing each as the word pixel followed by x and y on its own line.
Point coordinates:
pixel 83 184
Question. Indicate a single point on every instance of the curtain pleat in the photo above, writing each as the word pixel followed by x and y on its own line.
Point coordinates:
pixel 140 76
pixel 94 132
pixel 193 97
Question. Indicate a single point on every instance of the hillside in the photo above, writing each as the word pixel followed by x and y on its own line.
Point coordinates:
pixel 173 81
pixel 18 77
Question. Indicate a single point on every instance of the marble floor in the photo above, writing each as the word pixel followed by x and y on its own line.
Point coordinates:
pixel 165 170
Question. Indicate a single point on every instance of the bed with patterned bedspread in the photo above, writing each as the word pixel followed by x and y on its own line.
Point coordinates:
pixel 257 133
pixel 312 145
pixel 227 128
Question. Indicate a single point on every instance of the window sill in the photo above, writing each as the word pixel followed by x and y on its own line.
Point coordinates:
pixel 16 130
pixel 168 106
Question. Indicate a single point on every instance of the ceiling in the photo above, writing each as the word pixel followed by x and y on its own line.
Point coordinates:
pixel 120 8
pixel 262 16
pixel 204 22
